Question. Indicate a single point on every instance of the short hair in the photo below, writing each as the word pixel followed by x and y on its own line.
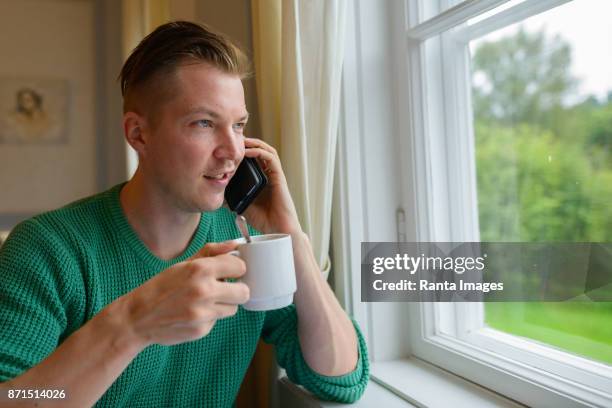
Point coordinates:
pixel 173 44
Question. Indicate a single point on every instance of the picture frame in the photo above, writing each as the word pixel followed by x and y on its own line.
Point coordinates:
pixel 34 110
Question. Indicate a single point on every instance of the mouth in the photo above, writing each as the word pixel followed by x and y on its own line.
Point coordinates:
pixel 217 177
pixel 220 177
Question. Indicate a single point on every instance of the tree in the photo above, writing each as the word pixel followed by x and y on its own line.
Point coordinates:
pixel 532 187
pixel 522 78
pixel 544 169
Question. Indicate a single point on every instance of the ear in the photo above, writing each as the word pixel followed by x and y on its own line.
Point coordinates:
pixel 134 126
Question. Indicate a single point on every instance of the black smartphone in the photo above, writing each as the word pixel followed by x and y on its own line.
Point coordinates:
pixel 245 185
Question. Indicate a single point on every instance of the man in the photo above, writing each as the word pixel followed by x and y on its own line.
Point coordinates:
pixel 120 299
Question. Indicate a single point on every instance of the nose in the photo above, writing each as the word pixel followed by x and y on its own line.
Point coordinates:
pixel 230 145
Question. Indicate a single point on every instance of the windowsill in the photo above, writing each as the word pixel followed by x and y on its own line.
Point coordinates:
pixel 407 383
pixel 375 395
pixel 427 385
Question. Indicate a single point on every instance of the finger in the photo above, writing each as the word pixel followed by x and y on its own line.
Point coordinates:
pixel 225 310
pixel 215 248
pixel 209 314
pixel 253 142
pixel 232 293
pixel 222 266
pixel 273 163
pixel 189 330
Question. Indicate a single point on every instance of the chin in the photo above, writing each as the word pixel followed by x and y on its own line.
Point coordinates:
pixel 211 205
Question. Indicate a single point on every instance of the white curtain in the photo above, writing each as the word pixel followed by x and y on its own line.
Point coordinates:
pixel 299 48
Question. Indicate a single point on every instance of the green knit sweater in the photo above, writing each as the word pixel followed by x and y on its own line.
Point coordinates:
pixel 60 268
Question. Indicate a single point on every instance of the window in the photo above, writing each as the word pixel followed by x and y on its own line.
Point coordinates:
pixel 542 101
pixel 488 93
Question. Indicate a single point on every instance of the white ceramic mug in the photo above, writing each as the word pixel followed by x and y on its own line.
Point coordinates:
pixel 270 273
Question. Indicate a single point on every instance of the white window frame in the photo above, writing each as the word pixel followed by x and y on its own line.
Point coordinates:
pixel 423 112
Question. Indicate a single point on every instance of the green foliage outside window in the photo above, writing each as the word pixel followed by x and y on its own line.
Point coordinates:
pixel 544 173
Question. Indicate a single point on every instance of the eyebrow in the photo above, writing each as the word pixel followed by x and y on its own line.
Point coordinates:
pixel 213 114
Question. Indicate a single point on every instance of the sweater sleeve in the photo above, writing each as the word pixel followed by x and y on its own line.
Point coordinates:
pixel 280 329
pixel 32 313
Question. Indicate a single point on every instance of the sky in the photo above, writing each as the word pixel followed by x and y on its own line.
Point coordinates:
pixel 587 26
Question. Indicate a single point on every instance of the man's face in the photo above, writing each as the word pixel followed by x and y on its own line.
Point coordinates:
pixel 196 142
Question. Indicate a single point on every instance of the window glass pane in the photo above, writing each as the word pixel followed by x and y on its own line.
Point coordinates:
pixel 542 101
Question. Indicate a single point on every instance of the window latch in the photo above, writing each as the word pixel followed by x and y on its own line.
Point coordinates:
pixel 400 219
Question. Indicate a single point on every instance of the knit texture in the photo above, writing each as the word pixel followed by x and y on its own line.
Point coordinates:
pixel 60 268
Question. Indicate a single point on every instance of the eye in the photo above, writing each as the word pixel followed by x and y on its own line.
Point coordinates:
pixel 239 126
pixel 204 123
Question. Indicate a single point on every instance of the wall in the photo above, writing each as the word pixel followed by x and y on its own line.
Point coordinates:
pixel 111 145
pixel 183 9
pixel 40 39
pixel 73 41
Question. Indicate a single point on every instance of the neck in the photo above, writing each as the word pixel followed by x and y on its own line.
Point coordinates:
pixel 165 229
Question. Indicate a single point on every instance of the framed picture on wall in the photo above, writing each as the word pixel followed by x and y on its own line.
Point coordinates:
pixel 60 105
pixel 33 110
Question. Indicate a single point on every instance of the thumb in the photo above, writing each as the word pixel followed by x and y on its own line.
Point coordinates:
pixel 215 248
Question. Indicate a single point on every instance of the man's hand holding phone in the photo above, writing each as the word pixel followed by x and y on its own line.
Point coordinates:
pixel 273 211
